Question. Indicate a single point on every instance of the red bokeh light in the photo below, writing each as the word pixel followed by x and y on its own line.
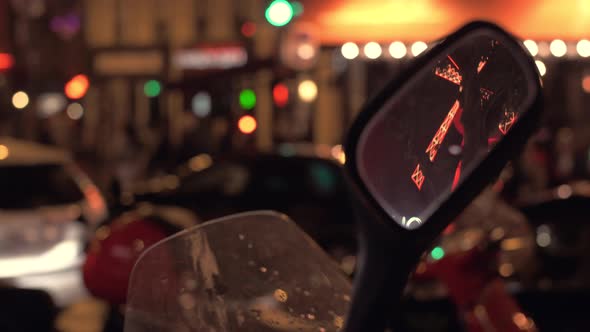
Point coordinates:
pixel 6 61
pixel 248 29
pixel 586 84
pixel 77 87
pixel 280 95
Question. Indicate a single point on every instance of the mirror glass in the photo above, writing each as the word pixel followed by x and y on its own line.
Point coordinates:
pixel 430 135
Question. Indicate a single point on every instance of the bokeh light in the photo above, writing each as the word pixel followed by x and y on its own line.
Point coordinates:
pixel 248 29
pixel 297 8
pixel 201 104
pixel 152 88
pixel 4 152
pixel 586 84
pixel 350 50
pixel 75 111
pixel 506 270
pixel 372 50
pixel 247 124
pixel 20 100
pixel 397 50
pixel 541 67
pixel 306 51
pixel 558 48
pixel 307 90
pixel 532 46
pixel 337 152
pixel 543 237
pixel 50 103
pixel 279 13
pixel 200 162
pixel 77 87
pixel 280 95
pixel 583 48
pixel 247 99
pixel 418 47
pixel 6 61
pixel 437 253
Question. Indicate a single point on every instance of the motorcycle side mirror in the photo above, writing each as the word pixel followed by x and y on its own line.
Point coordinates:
pixel 425 146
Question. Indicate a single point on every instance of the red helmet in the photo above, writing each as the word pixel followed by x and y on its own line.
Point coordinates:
pixel 113 252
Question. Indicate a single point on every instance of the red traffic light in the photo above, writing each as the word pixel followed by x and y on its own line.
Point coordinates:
pixel 280 95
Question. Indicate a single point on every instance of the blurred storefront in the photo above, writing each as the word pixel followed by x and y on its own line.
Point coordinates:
pixel 166 79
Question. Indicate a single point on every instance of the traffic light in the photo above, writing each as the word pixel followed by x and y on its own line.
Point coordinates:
pixel 247 99
pixel 280 95
pixel 152 88
pixel 279 13
pixel 247 124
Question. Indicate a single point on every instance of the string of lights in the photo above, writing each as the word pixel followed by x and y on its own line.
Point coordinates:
pixel 556 48
pixel 398 50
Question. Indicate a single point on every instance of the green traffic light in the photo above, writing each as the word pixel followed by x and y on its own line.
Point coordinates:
pixel 279 13
pixel 247 99
pixel 437 253
pixel 152 88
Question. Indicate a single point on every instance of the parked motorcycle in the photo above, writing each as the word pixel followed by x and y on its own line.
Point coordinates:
pixel 416 156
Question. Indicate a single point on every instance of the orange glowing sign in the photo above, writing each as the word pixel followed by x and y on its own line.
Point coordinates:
pixel 340 21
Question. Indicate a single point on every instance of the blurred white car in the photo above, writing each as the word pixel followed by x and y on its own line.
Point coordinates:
pixel 47 208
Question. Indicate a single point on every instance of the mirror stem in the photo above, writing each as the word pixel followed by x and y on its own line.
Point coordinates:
pixel 385 262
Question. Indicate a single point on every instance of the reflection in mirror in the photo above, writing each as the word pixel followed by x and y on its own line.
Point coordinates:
pixel 441 124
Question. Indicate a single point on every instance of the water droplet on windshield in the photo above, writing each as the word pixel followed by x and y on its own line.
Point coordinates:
pixel 275 272
pixel 281 296
pixel 250 246
pixel 251 263
pixel 187 301
pixel 310 316
pixel 455 150
pixel 191 284
pixel 346 298
pixel 339 321
pixel 306 293
pixel 241 237
pixel 263 269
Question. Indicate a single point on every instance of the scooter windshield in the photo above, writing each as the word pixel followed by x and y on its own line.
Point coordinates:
pixel 254 271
